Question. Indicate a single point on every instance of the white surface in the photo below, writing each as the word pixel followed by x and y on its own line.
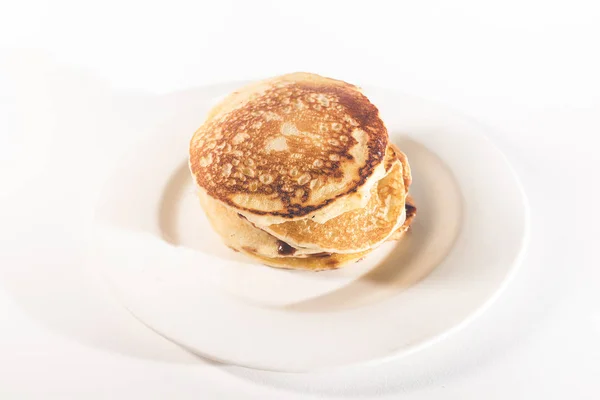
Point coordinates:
pixel 470 236
pixel 527 68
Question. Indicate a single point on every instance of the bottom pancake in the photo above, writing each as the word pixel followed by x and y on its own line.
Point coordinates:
pixel 240 234
pixel 319 262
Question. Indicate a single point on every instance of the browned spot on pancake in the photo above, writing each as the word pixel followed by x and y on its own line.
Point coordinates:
pixel 284 140
pixel 331 263
pixel 234 249
pixel 249 249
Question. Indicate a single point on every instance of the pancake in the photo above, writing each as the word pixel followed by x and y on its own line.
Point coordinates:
pixel 406 173
pixel 291 147
pixel 391 158
pixel 411 212
pixel 312 263
pixel 241 235
pixel 354 231
pixel 335 261
pixel 410 207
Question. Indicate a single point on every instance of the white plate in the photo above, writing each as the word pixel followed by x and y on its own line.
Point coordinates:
pixel 171 271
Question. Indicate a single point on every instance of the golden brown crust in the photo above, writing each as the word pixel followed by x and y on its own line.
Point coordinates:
pixel 295 146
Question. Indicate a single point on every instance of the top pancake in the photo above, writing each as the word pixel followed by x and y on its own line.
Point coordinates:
pixel 287 147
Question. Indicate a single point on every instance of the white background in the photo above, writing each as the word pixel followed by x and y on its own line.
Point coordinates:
pixel 529 69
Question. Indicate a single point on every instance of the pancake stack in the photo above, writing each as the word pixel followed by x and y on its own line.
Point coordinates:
pixel 297 171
